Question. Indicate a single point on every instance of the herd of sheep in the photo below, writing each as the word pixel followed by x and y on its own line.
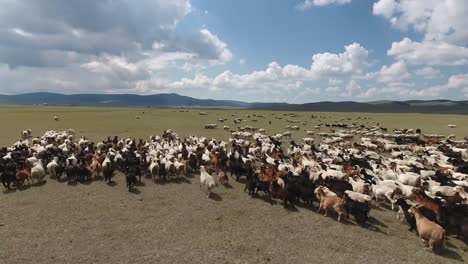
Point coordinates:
pixel 347 170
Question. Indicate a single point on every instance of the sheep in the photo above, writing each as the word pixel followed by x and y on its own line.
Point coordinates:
pixel 56 118
pixel 310 133
pixel 330 202
pixel 25 134
pixel 210 126
pixel 431 233
pixel 206 181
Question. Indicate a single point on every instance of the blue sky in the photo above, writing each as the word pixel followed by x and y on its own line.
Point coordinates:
pixel 253 50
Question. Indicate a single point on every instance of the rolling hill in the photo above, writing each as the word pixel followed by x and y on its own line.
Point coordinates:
pixel 175 100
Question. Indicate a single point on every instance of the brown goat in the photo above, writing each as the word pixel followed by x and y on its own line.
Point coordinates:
pixel 421 198
pixel 431 233
pixel 329 202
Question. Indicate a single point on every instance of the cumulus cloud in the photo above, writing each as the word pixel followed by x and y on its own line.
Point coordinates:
pixel 288 79
pixel 31 30
pixel 442 24
pixel 353 89
pixel 428 72
pixel 353 60
pixel 306 4
pixel 392 73
pixel 439 20
pixel 428 53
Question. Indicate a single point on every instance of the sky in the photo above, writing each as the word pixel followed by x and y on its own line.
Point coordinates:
pixel 294 51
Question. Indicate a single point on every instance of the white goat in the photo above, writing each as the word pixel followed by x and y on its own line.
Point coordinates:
pixel 206 180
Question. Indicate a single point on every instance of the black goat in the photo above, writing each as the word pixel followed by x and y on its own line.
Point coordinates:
pixel 359 210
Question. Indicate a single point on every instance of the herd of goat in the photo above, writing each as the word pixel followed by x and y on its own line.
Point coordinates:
pixel 426 177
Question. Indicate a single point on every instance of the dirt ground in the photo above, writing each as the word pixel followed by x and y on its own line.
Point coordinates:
pixel 177 223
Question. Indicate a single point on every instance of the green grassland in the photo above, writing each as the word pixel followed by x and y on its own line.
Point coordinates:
pixel 99 122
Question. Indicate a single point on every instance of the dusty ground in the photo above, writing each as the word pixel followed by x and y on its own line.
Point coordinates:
pixel 176 223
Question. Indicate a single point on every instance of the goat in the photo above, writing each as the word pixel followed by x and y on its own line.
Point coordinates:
pixel 207 181
pixel 431 233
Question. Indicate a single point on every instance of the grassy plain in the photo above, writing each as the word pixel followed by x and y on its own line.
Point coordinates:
pixel 97 122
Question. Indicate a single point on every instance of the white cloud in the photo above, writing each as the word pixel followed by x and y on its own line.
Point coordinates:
pixel 439 20
pixel 333 90
pixel 220 48
pixel 428 73
pixel 352 61
pixel 353 89
pixel 385 8
pixel 30 30
pixel 334 81
pixel 393 73
pixel 306 4
pixel 22 33
pixel 455 84
pixel 428 53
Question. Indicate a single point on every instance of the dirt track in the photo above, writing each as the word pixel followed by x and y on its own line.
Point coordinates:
pixel 176 223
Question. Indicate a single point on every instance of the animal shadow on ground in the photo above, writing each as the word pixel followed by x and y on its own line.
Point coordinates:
pixel 373 206
pixel 448 253
pixel 88 182
pixel 135 191
pixel 24 187
pixel 263 197
pixel 215 197
pixel 99 178
pixel 374 225
pixel 228 186
pixel 38 184
pixel 376 222
pixel 112 183
pixel 190 175
pixel 73 183
pixel 182 180
pixel 242 181
pixel 7 191
pixel 140 183
pixel 291 208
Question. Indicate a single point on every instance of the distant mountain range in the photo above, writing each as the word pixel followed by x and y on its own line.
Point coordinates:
pixel 175 100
